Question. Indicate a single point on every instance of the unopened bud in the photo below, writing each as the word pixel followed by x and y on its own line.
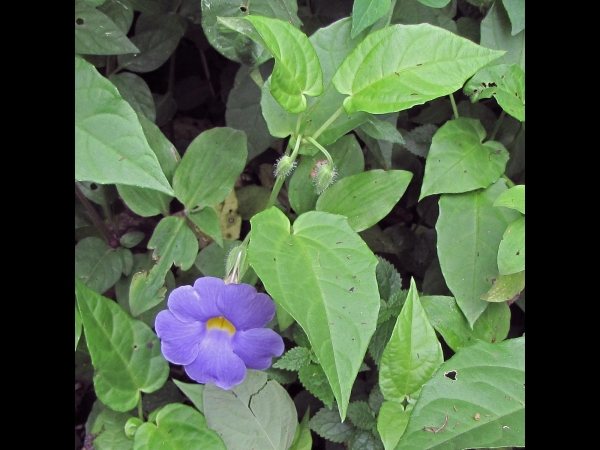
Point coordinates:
pixel 236 264
pixel 285 166
pixel 324 175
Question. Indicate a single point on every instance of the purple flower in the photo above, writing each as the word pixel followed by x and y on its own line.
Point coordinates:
pixel 215 330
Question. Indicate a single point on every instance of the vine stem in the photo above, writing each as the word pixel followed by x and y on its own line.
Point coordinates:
pixel 320 147
pixel 509 182
pixel 328 122
pixel 96 218
pixel 280 180
pixel 497 126
pixel 454 108
pixel 140 409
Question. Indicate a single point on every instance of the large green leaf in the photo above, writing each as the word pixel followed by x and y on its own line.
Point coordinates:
pixel 97 34
pixel 110 146
pixel 97 265
pixel 148 202
pixel 516 12
pixel 157 36
pixel 135 90
pixel 458 161
pixel 173 243
pixel 481 389
pixel 332 44
pixel 511 252
pixel 365 198
pixel 254 414
pixel 125 352
pixel 297 71
pixel 496 33
pixel 108 427
pixel 469 231
pixel 503 82
pixel 412 354
pixel 178 427
pixel 348 159
pixel 238 47
pixel 209 168
pixel 447 319
pixel 323 274
pixel 405 65
pixel 119 12
pixel 513 198
pixel 366 12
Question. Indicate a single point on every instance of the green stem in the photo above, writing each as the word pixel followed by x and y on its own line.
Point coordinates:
pixel 140 409
pixel 454 108
pixel 509 182
pixel 328 122
pixel 497 126
pixel 320 147
pixel 279 181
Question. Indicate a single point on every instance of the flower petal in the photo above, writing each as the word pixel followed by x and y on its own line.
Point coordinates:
pixel 184 303
pixel 179 340
pixel 244 308
pixel 256 347
pixel 209 288
pixel 216 361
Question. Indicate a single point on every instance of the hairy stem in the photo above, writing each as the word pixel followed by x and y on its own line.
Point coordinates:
pixel 279 181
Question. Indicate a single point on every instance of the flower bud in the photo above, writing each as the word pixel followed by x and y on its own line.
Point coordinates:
pixel 285 166
pixel 236 264
pixel 324 175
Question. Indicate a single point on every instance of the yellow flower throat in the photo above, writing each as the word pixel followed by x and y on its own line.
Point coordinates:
pixel 220 323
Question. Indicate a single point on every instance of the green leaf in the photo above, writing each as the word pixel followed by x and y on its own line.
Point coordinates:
pixel 131 239
pixel 503 82
pixel 157 36
pixel 177 427
pixel 483 380
pixel 127 259
pixel 366 12
pixel 505 288
pixel 469 233
pixel 194 392
pixel 348 160
pixel 323 274
pixel 78 326
pixel 208 222
pixel 435 3
pixel 415 12
pixel 134 89
pixel 297 71
pixel 108 427
pixel 252 414
pixel 326 423
pixel 361 415
pixel 314 379
pixel 380 339
pixel 147 202
pixel 209 168
pixel 252 199
pixel 281 376
pixel 365 198
pixel 516 12
pixel 125 352
pixel 447 319
pixel 110 146
pixel 365 440
pixel 496 34
pixel 239 47
pixel 294 359
pixel 119 12
pixel 376 399
pixel 97 34
pixel 303 441
pixel 511 252
pixel 391 423
pixel 458 161
pixel 433 63
pixel 413 353
pixel 332 44
pixel 380 129
pixel 97 265
pixel 173 243
pixel 418 140
pixel 388 279
pixel 513 198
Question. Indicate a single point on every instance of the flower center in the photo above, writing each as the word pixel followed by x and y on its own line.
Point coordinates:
pixel 220 323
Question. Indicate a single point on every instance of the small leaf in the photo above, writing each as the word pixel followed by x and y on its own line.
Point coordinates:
pixel 177 426
pixel 294 359
pixel 252 414
pixel 376 399
pixel 485 379
pixel 297 71
pixel 366 12
pixel 380 129
pixel 365 440
pixel 513 198
pixel 134 89
pixel 388 278
pixel 391 423
pixel 108 427
pixel 469 231
pixel 173 243
pixel 209 168
pixel 314 379
pixel 110 146
pixel 413 353
pixel 303 439
pixel 505 288
pixel 458 161
pixel 326 423
pixel 365 198
pixel 511 252
pixel 131 239
pixel 418 140
pixel 125 352
pixel 380 339
pixel 97 34
pixel 194 392
pixel 413 76
pixel 97 265
pixel 361 415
